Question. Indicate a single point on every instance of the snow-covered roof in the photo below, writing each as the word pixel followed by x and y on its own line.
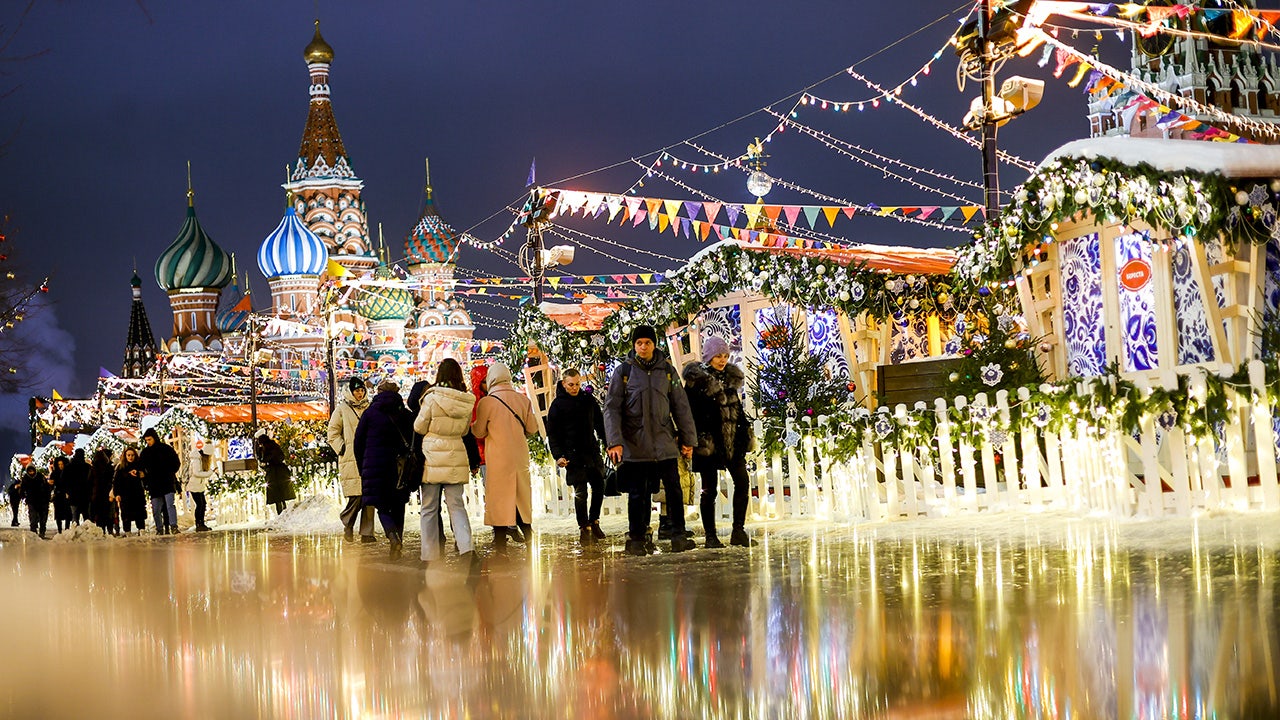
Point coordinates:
pixel 1173 156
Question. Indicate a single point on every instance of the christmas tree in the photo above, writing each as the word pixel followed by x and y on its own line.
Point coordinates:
pixel 790 381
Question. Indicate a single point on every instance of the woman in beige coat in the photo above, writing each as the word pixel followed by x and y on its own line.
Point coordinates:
pixel 505 419
pixel 342 438
pixel 445 416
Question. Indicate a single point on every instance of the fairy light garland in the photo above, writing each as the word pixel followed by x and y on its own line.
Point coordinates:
pixel 597 238
pixel 830 142
pixel 1043 10
pixel 945 127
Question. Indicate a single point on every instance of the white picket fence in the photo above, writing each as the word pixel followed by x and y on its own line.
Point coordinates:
pixel 1085 469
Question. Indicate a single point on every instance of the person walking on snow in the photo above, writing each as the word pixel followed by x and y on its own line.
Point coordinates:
pixel 714 387
pixel 61 482
pixel 575 431
pixel 81 488
pixel 504 419
pixel 381 438
pixel 649 425
pixel 160 466
pixel 15 498
pixel 127 487
pixel 37 489
pixel 199 469
pixel 444 418
pixel 101 474
pixel 342 435
pixel 279 478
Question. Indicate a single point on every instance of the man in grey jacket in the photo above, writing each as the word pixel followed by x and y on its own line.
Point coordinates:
pixel 648 425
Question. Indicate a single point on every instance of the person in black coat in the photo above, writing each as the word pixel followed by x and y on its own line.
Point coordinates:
pixel 127 487
pixel 101 475
pixel 81 487
pixel 383 435
pixel 575 431
pixel 37 489
pixel 15 498
pixel 160 464
pixel 714 387
pixel 279 478
pixel 61 493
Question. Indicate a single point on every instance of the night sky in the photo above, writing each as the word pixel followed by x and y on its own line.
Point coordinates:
pixel 117 96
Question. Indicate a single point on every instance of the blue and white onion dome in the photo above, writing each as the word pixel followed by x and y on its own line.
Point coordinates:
pixel 385 302
pixel 292 249
pixel 193 259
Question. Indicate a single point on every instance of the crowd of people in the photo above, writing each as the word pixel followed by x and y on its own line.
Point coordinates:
pixel 112 492
pixel 652 419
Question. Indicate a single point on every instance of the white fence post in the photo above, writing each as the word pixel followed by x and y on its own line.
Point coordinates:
pixel 1264 436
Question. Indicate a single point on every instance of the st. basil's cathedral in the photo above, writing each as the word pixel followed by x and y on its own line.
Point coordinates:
pixel 377 311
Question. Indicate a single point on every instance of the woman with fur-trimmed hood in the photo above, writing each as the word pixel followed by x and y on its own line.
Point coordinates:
pixel 714 387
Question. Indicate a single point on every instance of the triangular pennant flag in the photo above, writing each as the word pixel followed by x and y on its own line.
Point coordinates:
pixel 831 212
pixel 732 212
pixel 811 215
pixel 654 218
pixel 633 203
pixel 1080 73
pixel 849 211
pixel 637 217
pixel 672 208
pixel 925 212
pixel 691 208
pixel 772 212
pixel 646 278
pixel 615 203
pixel 752 212
pixel 684 226
pixel 1241 21
pixel 625 214
pixel 592 205
pixel 792 212
pixel 703 230
pixel 246 305
pixel 653 205
pixel 56 396
pixel 969 211
pixel 335 270
pixel 662 222
pixel 947 212
pixel 554 280
pixel 712 209
pixel 907 211
pixel 588 279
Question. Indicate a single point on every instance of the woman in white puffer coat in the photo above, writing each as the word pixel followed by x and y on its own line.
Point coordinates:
pixel 444 418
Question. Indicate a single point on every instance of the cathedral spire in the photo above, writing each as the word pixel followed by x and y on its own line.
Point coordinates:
pixel 140 345
pixel 322 154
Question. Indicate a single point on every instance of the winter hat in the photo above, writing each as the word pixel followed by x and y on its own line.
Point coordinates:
pixel 262 432
pixel 388 386
pixel 151 432
pixel 355 383
pixel 712 347
pixel 644 332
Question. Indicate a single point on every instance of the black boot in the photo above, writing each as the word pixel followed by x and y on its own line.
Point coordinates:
pixel 596 532
pixel 585 538
pixel 740 538
pixel 348 533
pixel 526 530
pixel 638 546
pixel 664 527
pixel 500 539
pixel 397 545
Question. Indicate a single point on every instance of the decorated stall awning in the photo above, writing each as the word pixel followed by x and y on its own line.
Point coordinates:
pixel 883 258
pixel 588 315
pixel 267 412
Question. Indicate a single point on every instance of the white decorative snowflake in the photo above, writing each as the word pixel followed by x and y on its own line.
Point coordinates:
pixel 992 374
pixel 791 439
pixel 883 424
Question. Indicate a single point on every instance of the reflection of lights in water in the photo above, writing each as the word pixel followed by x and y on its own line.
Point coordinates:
pixel 1065 624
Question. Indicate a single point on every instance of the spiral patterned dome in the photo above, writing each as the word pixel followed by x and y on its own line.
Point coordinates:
pixel 232 317
pixel 193 260
pixel 380 302
pixel 292 249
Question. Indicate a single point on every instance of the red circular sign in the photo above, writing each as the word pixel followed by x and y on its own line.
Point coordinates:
pixel 1135 274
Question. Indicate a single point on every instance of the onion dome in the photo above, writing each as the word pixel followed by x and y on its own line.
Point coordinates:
pixel 432 240
pixel 385 302
pixel 193 260
pixel 317 51
pixel 233 316
pixel 292 249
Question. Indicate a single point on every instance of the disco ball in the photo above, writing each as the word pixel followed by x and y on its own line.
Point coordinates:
pixel 759 183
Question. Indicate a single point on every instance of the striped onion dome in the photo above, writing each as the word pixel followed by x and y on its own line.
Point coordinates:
pixel 235 313
pixel 380 302
pixel 292 249
pixel 432 240
pixel 193 260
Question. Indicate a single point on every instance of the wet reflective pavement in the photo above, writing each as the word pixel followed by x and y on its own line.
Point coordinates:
pixel 1082 621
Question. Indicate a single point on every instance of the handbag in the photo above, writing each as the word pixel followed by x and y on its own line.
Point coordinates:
pixel 611 482
pixel 706 445
pixel 407 480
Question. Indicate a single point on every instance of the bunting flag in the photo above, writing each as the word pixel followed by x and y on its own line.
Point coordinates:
pixel 334 270
pixel 55 395
pixel 681 217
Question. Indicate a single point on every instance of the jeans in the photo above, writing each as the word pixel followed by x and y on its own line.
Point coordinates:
pixel 355 507
pixel 163 512
pixel 637 476
pixel 39 519
pixel 710 489
pixel 198 499
pixel 587 516
pixel 430 518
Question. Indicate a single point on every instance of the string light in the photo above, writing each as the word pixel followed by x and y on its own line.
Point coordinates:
pixel 947 128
